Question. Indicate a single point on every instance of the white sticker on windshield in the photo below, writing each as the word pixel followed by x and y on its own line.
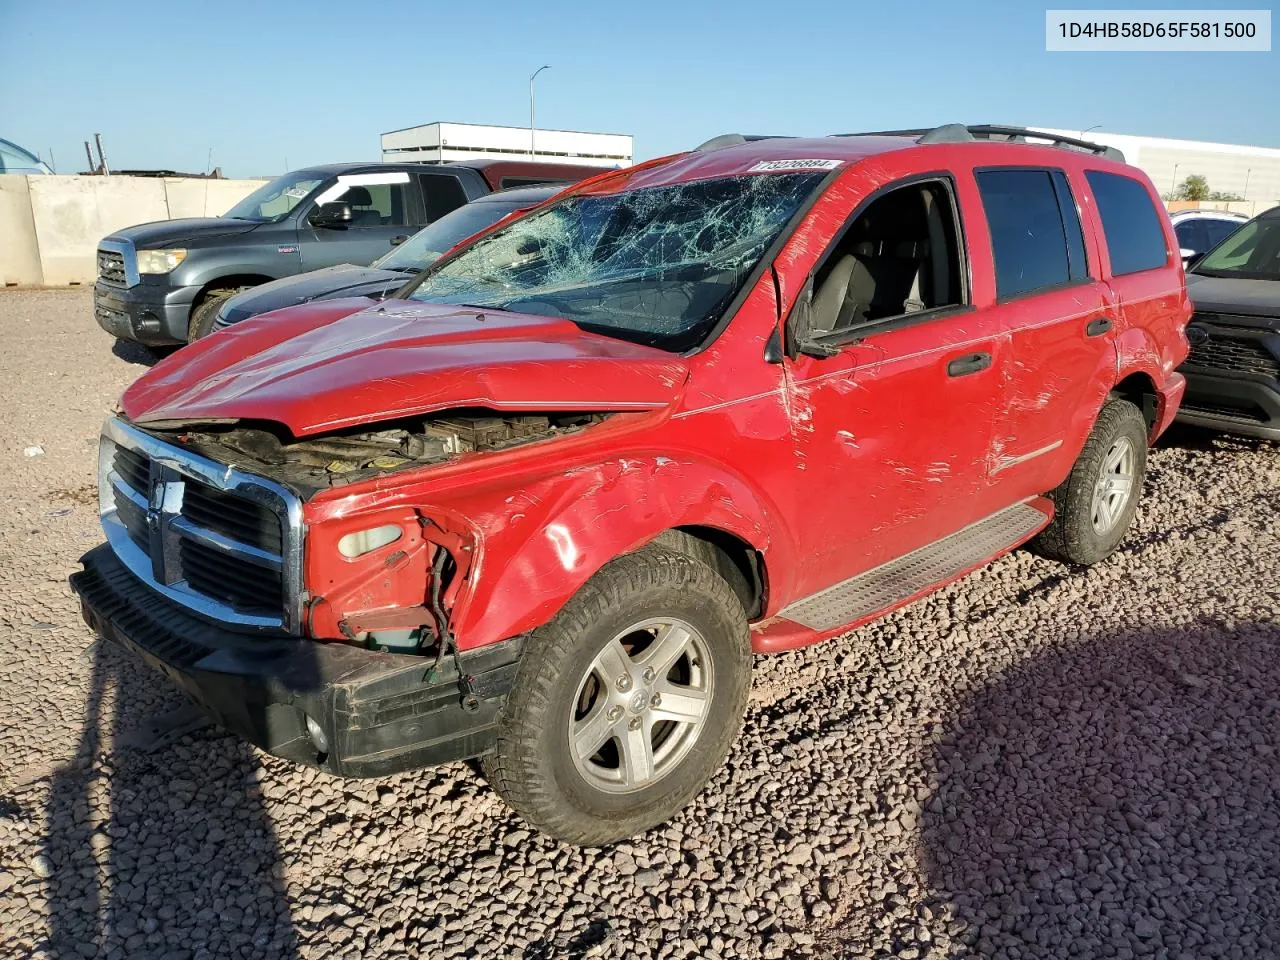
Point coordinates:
pixel 771 166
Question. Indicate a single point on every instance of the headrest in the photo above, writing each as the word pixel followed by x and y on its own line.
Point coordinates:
pixel 902 249
pixel 357 197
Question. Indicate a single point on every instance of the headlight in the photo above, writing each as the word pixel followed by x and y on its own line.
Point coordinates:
pixel 358 544
pixel 159 261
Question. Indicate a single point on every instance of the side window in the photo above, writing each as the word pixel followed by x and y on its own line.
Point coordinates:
pixel 1130 223
pixel 376 199
pixel 379 204
pixel 1191 235
pixel 1219 230
pixel 899 256
pixel 1028 238
pixel 509 182
pixel 441 193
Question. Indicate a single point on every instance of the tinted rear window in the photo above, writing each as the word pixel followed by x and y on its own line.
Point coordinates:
pixel 441 193
pixel 1028 240
pixel 1130 223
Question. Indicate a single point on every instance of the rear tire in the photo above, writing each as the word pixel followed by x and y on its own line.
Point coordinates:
pixel 1097 502
pixel 206 311
pixel 622 626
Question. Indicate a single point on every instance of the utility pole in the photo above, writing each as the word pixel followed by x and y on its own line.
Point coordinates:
pixel 88 152
pixel 545 66
pixel 106 171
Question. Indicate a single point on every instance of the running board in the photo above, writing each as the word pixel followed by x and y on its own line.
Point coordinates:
pixel 894 583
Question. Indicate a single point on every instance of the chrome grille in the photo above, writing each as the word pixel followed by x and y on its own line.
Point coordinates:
pixel 246 587
pixel 224 543
pixel 233 517
pixel 111 268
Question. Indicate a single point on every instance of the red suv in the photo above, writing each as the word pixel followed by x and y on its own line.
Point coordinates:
pixel 543 509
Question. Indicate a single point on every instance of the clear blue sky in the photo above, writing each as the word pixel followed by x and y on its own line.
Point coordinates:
pixel 272 81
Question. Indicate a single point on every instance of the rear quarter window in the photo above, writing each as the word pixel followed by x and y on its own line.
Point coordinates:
pixel 1130 223
pixel 1029 240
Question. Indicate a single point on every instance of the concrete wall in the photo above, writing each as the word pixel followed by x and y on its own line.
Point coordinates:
pixel 50 226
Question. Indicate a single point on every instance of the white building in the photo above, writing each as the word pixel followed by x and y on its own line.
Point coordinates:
pixel 1249 172
pixel 473 141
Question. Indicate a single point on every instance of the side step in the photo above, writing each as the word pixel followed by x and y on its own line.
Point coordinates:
pixel 892 584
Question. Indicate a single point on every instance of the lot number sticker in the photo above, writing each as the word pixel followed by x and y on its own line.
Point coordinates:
pixel 772 166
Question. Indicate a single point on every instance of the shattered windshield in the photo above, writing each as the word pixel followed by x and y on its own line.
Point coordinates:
pixel 658 265
pixel 429 244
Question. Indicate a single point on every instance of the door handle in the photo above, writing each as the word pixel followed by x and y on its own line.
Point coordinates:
pixel 396 241
pixel 969 363
pixel 1097 326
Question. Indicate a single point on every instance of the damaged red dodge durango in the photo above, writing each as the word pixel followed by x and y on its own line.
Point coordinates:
pixel 544 507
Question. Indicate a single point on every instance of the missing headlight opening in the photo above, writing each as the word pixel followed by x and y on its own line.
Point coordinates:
pixel 345 457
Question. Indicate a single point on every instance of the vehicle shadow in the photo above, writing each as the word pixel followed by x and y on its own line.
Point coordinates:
pixel 157 842
pixel 1118 798
pixel 131 352
pixel 1187 436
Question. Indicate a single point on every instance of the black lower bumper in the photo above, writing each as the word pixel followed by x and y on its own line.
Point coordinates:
pixel 1247 406
pixel 371 713
pixel 156 316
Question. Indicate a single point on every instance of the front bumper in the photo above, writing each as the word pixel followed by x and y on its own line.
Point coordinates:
pixel 377 712
pixel 1232 404
pixel 145 313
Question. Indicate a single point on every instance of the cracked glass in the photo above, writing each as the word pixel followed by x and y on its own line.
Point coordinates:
pixel 657 265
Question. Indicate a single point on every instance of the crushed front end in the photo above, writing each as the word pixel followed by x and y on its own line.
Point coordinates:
pixel 202 576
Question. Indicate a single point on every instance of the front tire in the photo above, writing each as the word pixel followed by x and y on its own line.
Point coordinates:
pixel 206 312
pixel 1097 502
pixel 627 702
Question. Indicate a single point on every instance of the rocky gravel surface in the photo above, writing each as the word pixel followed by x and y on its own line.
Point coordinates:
pixel 1035 762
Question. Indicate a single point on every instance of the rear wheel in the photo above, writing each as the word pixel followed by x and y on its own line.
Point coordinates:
pixel 1096 504
pixel 206 311
pixel 627 702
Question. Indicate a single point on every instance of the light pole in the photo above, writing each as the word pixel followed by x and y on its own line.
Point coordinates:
pixel 545 66
pixel 1243 196
pixel 1173 190
pixel 1087 129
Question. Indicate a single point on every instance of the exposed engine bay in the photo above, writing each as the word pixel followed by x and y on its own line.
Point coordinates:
pixel 335 459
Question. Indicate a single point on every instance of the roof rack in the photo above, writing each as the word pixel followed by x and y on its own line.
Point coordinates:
pixel 733 139
pixel 962 133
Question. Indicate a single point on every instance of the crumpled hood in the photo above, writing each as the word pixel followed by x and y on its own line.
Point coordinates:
pixel 320 367
pixel 162 233
pixel 1258 298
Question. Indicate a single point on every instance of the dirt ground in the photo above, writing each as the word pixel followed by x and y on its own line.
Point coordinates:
pixel 1035 762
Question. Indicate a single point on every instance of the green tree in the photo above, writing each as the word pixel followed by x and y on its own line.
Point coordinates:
pixel 1195 187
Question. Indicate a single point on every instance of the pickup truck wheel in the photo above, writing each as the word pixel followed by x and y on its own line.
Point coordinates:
pixel 206 311
pixel 627 702
pixel 1096 503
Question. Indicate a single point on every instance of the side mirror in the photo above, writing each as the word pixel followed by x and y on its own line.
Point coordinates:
pixel 334 215
pixel 1190 258
pixel 798 333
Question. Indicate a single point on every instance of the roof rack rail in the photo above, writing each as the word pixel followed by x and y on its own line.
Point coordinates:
pixel 733 139
pixel 962 133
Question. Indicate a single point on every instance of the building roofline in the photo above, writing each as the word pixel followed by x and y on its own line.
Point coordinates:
pixel 1172 143
pixel 503 126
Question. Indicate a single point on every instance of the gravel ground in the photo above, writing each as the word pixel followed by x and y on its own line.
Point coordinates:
pixel 1035 762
